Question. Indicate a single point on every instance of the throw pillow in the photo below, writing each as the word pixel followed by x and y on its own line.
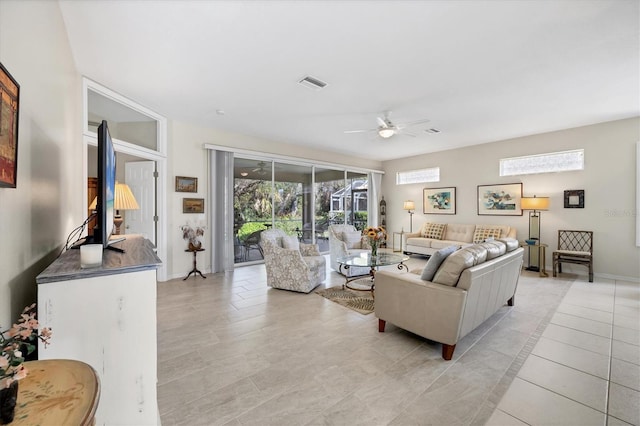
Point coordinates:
pixel 351 239
pixel 435 261
pixel 435 231
pixel 483 232
pixel 290 242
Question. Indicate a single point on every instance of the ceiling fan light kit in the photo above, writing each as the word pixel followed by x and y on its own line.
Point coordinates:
pixel 386 132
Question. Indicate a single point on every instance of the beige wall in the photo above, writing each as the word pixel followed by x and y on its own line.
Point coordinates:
pixel 37 216
pixel 608 180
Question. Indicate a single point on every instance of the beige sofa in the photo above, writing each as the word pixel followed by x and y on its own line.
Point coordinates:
pixel 433 236
pixel 465 291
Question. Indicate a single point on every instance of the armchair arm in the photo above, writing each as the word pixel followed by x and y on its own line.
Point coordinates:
pixel 430 310
pixel 309 249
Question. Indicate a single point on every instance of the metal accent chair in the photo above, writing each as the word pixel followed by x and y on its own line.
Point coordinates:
pixel 574 247
pixel 252 242
pixel 292 265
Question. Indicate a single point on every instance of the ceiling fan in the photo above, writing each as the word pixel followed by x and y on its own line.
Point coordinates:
pixel 261 170
pixel 386 128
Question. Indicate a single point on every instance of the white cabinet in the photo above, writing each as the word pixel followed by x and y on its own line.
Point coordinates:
pixel 107 318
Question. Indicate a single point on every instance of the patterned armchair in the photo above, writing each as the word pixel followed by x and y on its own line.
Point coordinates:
pixel 343 241
pixel 291 265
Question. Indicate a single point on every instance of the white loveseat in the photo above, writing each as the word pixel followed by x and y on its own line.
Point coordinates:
pixel 467 288
pixel 434 236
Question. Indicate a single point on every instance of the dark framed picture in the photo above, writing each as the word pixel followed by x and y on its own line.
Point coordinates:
pixel 9 113
pixel 500 199
pixel 193 205
pixel 186 184
pixel 574 199
pixel 439 200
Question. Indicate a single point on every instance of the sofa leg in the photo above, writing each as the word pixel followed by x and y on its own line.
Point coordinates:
pixel 511 301
pixel 381 324
pixel 447 351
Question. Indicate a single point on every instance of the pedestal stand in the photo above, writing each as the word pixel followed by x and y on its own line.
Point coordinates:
pixel 195 270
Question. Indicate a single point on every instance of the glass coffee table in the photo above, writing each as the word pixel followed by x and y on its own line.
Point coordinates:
pixel 373 263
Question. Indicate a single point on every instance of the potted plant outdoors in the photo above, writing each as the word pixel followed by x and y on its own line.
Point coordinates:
pixel 192 234
pixel 23 336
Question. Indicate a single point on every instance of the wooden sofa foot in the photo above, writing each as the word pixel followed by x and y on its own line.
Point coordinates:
pixel 381 324
pixel 447 351
pixel 511 301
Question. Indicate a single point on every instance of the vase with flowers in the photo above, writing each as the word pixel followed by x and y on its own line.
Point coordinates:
pixel 376 235
pixel 15 343
pixel 192 234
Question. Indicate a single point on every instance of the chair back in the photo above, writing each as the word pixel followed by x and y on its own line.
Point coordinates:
pixel 273 235
pixel 575 240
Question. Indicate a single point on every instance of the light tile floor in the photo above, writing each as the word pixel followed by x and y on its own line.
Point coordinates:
pixel 233 351
pixel 585 369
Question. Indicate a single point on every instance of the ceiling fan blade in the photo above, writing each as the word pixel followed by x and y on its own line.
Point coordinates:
pixel 413 123
pixel 359 131
pixel 382 121
pixel 408 134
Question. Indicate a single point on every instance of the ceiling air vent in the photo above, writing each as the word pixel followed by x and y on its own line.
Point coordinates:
pixel 313 83
pixel 432 130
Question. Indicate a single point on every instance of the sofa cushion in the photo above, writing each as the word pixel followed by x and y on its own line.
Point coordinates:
pixel 290 242
pixel 352 239
pixel 435 261
pixel 483 232
pixel 511 243
pixel 420 242
pixel 433 230
pixel 439 244
pixel 452 267
pixel 458 232
pixel 494 248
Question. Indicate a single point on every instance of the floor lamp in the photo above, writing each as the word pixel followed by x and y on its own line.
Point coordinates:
pixel 410 206
pixel 535 205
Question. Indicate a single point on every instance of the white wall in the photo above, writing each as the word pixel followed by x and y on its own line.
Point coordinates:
pixel 608 180
pixel 37 216
pixel 187 157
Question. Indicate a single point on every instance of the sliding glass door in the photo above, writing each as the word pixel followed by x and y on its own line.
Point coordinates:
pixel 301 199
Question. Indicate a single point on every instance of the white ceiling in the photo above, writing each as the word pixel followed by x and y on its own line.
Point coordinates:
pixel 480 71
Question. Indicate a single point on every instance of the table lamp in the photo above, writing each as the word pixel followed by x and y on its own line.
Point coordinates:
pixel 124 200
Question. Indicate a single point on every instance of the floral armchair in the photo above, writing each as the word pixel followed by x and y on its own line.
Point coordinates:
pixel 345 240
pixel 291 265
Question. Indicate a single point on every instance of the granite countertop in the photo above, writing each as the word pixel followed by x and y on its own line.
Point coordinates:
pixel 139 255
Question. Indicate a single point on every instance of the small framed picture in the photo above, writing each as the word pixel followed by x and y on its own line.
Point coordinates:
pixel 186 184
pixel 500 199
pixel 9 109
pixel 193 205
pixel 574 199
pixel 439 200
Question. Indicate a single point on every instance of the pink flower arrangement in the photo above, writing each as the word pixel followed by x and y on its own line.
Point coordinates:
pixel 22 336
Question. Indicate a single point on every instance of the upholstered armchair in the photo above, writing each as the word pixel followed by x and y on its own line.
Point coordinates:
pixel 291 265
pixel 345 240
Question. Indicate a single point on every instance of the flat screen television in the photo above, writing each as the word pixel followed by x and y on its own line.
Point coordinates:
pixel 106 186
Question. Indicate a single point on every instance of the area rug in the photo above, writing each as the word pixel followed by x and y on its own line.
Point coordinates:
pixel 359 301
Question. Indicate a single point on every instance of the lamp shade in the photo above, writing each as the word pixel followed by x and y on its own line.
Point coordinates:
pixel 409 205
pixel 124 198
pixel 535 203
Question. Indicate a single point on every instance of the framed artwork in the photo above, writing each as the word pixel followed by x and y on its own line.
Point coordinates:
pixel 9 109
pixel 186 184
pixel 574 199
pixel 439 200
pixel 500 199
pixel 193 205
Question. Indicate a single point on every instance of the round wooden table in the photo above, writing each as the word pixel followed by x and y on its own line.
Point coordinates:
pixel 57 392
